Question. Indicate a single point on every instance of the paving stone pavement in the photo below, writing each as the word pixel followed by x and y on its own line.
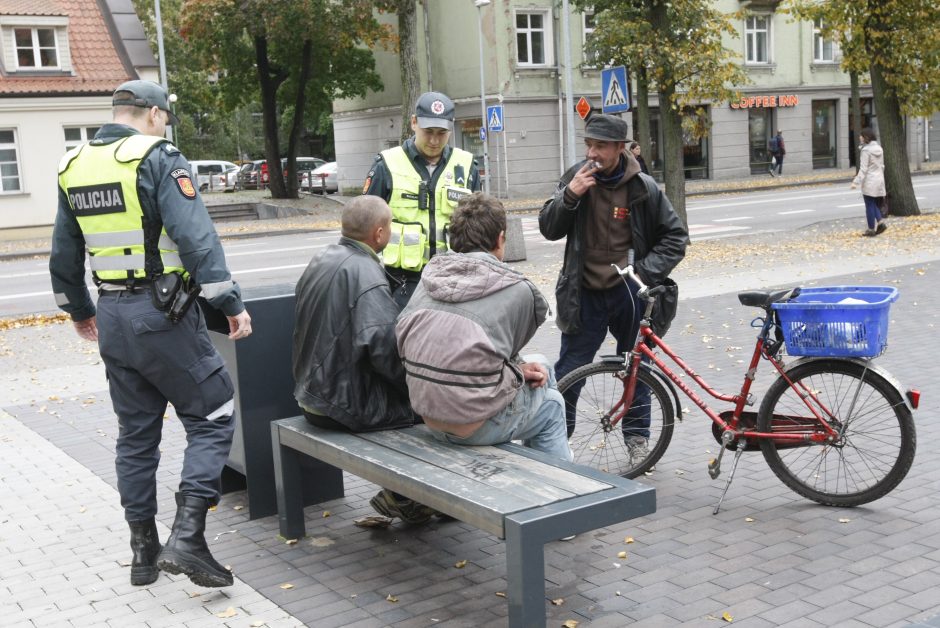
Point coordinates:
pixel 769 558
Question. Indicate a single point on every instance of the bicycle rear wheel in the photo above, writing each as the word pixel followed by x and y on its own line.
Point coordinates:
pixel 877 443
pixel 598 444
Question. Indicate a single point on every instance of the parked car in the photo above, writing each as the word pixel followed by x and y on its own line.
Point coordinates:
pixel 209 174
pixel 254 174
pixel 304 164
pixel 228 180
pixel 323 180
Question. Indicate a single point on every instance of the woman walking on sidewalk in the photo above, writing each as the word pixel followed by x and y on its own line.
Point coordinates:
pixel 871 176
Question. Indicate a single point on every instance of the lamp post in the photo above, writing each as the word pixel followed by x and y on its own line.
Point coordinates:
pixel 486 156
pixel 159 21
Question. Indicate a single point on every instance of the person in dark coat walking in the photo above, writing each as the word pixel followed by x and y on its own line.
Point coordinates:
pixel 635 149
pixel 778 149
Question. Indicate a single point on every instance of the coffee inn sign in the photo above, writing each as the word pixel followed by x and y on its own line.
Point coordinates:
pixel 754 102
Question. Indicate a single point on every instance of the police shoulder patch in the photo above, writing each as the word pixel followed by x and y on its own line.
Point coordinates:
pixel 184 182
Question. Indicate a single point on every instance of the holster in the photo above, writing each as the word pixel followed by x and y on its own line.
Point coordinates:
pixel 163 290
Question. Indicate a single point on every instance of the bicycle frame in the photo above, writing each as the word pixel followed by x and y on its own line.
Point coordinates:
pixel 646 336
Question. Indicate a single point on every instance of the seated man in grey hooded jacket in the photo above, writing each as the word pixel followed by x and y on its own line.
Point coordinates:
pixel 460 336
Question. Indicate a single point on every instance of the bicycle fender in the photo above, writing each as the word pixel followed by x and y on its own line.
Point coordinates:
pixel 656 373
pixel 873 367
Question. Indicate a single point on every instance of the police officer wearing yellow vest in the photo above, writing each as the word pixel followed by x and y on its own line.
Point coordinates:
pixel 127 198
pixel 421 181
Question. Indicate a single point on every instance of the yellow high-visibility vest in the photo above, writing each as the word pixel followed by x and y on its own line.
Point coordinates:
pixel 409 245
pixel 101 184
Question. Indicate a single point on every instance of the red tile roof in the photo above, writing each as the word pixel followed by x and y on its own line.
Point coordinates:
pixel 97 65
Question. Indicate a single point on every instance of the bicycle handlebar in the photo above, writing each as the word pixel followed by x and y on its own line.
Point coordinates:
pixel 644 291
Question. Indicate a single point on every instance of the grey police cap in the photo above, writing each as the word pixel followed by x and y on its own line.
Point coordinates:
pixel 604 127
pixel 434 110
pixel 146 94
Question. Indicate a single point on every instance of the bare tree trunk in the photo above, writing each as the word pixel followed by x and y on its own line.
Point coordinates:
pixel 297 124
pixel 891 126
pixel 642 131
pixel 408 60
pixel 856 108
pixel 671 120
pixel 270 82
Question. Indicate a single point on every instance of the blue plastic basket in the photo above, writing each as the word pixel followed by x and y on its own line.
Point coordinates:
pixel 817 324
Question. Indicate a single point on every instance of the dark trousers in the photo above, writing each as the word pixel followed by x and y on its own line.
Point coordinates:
pixel 616 310
pixel 872 211
pixel 402 283
pixel 150 361
pixel 779 166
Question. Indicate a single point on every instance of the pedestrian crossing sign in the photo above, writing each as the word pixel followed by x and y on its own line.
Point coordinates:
pixel 615 90
pixel 494 118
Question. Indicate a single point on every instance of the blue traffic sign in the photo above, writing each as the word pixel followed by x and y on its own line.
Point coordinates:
pixel 494 118
pixel 615 90
pixel 482 133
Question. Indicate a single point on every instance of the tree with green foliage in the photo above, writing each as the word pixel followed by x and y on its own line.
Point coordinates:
pixel 679 45
pixel 302 53
pixel 898 43
pixel 406 43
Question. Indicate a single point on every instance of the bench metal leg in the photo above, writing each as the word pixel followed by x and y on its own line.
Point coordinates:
pixel 525 570
pixel 289 486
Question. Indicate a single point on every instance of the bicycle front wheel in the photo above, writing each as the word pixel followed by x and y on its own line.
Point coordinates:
pixel 598 444
pixel 876 442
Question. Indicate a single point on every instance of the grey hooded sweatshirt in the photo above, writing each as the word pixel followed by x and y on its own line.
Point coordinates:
pixel 460 336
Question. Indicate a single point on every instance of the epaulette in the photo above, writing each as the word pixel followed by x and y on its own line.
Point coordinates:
pixel 170 149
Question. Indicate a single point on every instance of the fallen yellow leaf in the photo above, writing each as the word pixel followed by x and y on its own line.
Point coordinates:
pixel 326 513
pixel 287 585
pixel 629 539
pixel 749 519
pixel 558 601
pixel 621 555
pixel 570 624
pixel 460 564
pixel 238 508
pixel 257 624
pixel 291 542
pixel 727 617
pixel 391 598
pixel 229 612
pixel 844 520
pixel 500 594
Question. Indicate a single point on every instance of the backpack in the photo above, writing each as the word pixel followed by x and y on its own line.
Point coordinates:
pixel 774 144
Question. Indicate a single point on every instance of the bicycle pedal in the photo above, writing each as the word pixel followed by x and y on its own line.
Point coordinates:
pixel 714 468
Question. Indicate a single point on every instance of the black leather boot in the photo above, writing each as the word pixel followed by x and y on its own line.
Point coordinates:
pixel 145 544
pixel 186 550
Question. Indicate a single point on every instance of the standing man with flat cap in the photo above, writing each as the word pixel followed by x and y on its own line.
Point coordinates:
pixel 605 207
pixel 421 181
pixel 127 199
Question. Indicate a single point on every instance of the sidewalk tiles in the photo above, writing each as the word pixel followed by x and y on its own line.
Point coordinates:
pixel 769 558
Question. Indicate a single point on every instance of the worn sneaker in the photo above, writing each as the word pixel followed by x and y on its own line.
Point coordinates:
pixel 386 504
pixel 638 448
pixel 881 226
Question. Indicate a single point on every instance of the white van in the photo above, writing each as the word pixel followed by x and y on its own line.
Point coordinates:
pixel 213 175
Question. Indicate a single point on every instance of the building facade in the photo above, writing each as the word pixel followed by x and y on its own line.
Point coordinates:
pixel 60 61
pixel 796 87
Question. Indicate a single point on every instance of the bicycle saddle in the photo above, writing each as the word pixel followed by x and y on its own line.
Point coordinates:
pixel 762 298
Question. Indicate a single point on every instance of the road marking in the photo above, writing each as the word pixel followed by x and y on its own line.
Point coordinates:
pixel 795 211
pixel 25 294
pixel 269 268
pixel 732 219
pixel 703 229
pixel 306 247
pixel 852 205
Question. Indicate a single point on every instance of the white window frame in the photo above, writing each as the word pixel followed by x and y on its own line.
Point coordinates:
pixel 819 44
pixel 590 60
pixel 85 132
pixel 19 170
pixel 36 49
pixel 547 38
pixel 752 39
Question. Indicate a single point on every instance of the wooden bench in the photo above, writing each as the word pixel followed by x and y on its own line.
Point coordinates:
pixel 515 493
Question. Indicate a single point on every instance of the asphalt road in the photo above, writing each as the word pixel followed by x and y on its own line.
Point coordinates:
pixel 280 259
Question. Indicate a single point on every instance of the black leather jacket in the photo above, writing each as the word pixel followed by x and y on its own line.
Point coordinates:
pixel 345 357
pixel 659 239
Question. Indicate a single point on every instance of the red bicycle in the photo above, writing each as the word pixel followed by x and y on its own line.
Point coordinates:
pixel 834 427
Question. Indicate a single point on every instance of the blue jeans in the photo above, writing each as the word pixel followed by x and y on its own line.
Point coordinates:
pixel 618 310
pixel 872 212
pixel 536 416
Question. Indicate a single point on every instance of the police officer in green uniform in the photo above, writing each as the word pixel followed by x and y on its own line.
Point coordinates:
pixel 127 198
pixel 421 181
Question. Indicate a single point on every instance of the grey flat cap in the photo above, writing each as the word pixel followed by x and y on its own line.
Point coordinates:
pixel 605 127
pixel 146 94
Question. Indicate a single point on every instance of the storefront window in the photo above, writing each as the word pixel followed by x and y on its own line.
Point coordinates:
pixel 470 139
pixel 867 105
pixel 694 151
pixel 759 130
pixel 824 134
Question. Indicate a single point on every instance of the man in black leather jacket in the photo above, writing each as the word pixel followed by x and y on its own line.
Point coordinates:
pixel 605 206
pixel 345 359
